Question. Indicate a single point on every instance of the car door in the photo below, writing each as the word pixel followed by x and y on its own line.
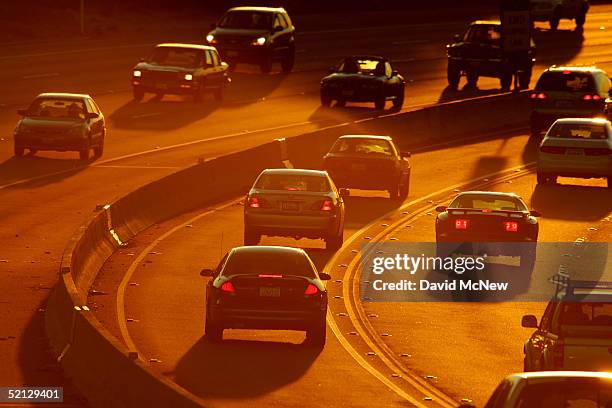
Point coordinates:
pixel 96 125
pixel 539 339
pixel 211 70
pixel 280 34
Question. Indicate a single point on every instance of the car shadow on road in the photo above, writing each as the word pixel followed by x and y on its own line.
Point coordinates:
pixel 557 46
pixel 237 369
pixel 34 171
pixel 572 202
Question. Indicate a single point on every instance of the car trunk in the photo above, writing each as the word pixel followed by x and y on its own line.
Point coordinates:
pixel 587 348
pixel 269 291
pixel 291 202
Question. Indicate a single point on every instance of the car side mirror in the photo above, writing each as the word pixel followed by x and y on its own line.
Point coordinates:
pixel 344 192
pixel 324 276
pixel 207 273
pixel 92 115
pixel 535 213
pixel 441 208
pixel 456 37
pixel 529 321
pixel 405 154
pixel 22 112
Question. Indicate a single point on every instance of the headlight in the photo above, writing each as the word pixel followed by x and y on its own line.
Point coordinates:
pixel 211 39
pixel 188 77
pixel 137 74
pixel 259 41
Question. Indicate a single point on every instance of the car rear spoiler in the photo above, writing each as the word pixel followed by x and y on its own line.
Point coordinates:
pixel 502 213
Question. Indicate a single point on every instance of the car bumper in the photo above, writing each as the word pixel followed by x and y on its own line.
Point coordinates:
pixel 173 89
pixel 569 166
pixel 291 225
pixel 351 94
pixel 55 144
pixel 241 318
pixel 243 54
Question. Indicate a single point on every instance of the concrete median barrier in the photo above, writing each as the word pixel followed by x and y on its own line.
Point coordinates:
pixel 100 365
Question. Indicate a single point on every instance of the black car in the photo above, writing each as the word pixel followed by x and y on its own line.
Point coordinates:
pixel 370 163
pixel 266 287
pixel 478 53
pixel 61 122
pixel 256 35
pixel 363 79
pixel 490 218
pixel 181 69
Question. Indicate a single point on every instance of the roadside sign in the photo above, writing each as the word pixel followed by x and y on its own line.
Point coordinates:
pixel 515 20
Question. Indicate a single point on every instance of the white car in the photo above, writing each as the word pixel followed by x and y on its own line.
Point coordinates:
pixel 576 148
pixel 552 389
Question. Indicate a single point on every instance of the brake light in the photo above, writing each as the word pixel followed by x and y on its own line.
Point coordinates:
pixel 557 354
pixel 589 97
pixel 325 205
pixel 254 202
pixel 552 149
pixel 228 287
pixel 461 224
pixel 567 72
pixel 538 95
pixel 311 289
pixel 269 276
pixel 511 226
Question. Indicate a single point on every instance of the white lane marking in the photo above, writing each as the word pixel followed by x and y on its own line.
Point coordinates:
pixel 146 115
pixel 121 320
pixel 47 75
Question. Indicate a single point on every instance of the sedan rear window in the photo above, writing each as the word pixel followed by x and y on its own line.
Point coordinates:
pixel 566 81
pixel 578 131
pixel 483 202
pixel 364 66
pixel 362 146
pixel 246 19
pixel 587 314
pixel 269 263
pixel 293 182
pixel 58 108
pixel 177 57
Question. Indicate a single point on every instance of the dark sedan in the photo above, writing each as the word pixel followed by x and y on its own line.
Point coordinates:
pixel 61 122
pixel 363 79
pixel 370 163
pixel 266 287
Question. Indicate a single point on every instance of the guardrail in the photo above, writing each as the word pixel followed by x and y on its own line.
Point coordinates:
pixel 100 365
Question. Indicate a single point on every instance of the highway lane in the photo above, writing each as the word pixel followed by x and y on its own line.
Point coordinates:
pixel 166 302
pixel 38 217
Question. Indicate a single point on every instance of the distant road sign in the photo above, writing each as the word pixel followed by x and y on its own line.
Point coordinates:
pixel 515 20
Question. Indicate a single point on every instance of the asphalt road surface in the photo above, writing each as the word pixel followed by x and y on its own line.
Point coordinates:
pixel 46 197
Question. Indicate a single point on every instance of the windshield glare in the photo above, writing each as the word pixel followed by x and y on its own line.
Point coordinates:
pixel 246 20
pixel 58 108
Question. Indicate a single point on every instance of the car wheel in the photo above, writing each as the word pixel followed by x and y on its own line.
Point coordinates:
pixel 251 238
pixel 213 331
pixel 505 82
pixel 394 192
pixel 219 94
pixel 453 73
pixel 99 150
pixel 380 103
pixel 472 79
pixel 580 19
pixel 288 61
pixel 398 102
pixel 554 20
pixel 528 258
pixel 341 103
pixel 534 128
pixel 609 181
pixel 542 178
pixel 138 93
pixel 524 78
pixel 265 66
pixel 325 101
pixel 84 153
pixel 404 189
pixel 18 150
pixel 316 335
pixel 335 242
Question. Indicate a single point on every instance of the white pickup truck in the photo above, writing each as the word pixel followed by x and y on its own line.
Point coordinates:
pixel 575 332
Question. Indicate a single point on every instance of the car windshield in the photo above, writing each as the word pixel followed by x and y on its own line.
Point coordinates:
pixel 176 57
pixel 58 108
pixel 269 263
pixel 565 393
pixel 293 182
pixel 586 314
pixel 483 33
pixel 488 202
pixel 246 19
pixel 379 147
pixel 579 131
pixel 363 66
pixel 566 81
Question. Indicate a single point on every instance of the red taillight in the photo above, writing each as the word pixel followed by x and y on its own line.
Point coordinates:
pixel 552 149
pixel 557 354
pixel 325 205
pixel 511 226
pixel 567 72
pixel 589 97
pixel 269 276
pixel 538 95
pixel 254 202
pixel 461 224
pixel 228 287
pixel 311 289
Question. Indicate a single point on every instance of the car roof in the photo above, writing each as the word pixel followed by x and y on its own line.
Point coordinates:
pixel 582 121
pixel 486 22
pixel 300 172
pixel 258 8
pixel 377 137
pixel 490 193
pixel 268 249
pixel 190 46
pixel 63 95
pixel 562 374
pixel 574 68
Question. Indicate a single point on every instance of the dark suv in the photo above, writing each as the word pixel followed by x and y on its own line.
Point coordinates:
pixel 568 92
pixel 257 35
pixel 479 53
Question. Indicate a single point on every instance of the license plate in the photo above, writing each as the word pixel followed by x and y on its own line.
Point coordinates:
pixel 360 167
pixel 269 291
pixel 232 53
pixel 348 92
pixel 290 205
pixel 574 152
pixel 564 104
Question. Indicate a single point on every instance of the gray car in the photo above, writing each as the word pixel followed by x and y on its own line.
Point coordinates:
pixel 294 203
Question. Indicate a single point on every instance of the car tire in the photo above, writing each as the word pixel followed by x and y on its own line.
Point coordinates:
pixel 398 102
pixel 334 242
pixel 84 153
pixel 394 192
pixel 609 181
pixel 213 331
pixel 288 61
pixel 528 259
pixel 265 65
pixel 316 335
pixel 526 367
pixel 554 20
pixel 524 78
pixel 542 178
pixel 138 93
pixel 380 102
pixel 534 128
pixel 341 103
pixel 325 101
pixel 472 80
pixel 251 238
pixel 453 74
pixel 580 19
pixel 505 82
pixel 18 150
pixel 99 150
pixel 404 189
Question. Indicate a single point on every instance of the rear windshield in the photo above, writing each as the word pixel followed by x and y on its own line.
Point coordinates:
pixel 363 146
pixel 364 66
pixel 566 81
pixel 269 263
pixel 587 314
pixel 177 57
pixel 246 19
pixel 576 131
pixel 481 33
pixel 484 202
pixel 293 182
pixel 58 108
pixel 566 392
